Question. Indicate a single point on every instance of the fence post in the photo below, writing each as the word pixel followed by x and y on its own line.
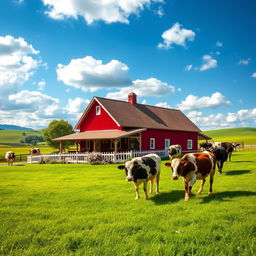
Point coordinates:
pixel 114 157
pixel 76 158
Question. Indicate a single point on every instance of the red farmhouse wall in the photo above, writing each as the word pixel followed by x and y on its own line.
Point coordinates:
pixel 95 122
pixel 176 137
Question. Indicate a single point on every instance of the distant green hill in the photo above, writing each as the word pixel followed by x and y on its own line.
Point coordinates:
pixel 14 137
pixel 246 135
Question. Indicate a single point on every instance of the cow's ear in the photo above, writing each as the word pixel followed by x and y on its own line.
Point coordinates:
pixel 121 167
pixel 184 162
pixel 168 164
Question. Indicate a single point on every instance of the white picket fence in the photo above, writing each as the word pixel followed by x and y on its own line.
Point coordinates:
pixel 83 157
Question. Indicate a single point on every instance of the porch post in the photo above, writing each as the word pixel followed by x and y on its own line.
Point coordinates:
pixel 60 146
pixel 76 146
pixel 94 145
pixel 115 143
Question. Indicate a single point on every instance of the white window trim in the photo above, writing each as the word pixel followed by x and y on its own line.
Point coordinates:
pixel 98 110
pixel 189 144
pixel 152 143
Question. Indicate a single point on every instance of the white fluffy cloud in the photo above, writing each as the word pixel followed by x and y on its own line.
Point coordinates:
pixel 193 102
pixel 76 106
pixel 176 35
pixel 243 117
pixel 163 105
pixel 108 11
pixel 244 62
pixel 208 63
pixel 89 74
pixel 16 63
pixel 188 67
pixel 143 88
pixel 219 44
pixel 254 75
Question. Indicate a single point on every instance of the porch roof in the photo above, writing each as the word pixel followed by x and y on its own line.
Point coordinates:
pixel 203 136
pixel 100 134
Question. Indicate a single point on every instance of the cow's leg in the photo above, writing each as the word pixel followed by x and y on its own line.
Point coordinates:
pixel 151 184
pixel 211 181
pixel 136 191
pixel 157 183
pixel 229 156
pixel 145 188
pixel 187 192
pixel 201 187
pixel 220 166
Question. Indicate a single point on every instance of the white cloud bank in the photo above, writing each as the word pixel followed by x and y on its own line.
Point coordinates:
pixel 16 63
pixel 193 102
pixel 144 88
pixel 108 11
pixel 208 63
pixel 176 35
pixel 242 118
pixel 89 74
pixel 254 75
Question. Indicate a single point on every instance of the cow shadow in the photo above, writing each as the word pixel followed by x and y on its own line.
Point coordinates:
pixel 237 172
pixel 226 196
pixel 169 197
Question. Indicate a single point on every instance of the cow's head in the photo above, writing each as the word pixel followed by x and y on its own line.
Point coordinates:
pixel 130 168
pixel 179 167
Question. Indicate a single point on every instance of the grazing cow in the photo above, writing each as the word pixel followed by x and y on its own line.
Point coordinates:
pixel 192 167
pixel 221 155
pixel 10 156
pixel 174 151
pixel 205 146
pixel 34 151
pixel 227 145
pixel 141 170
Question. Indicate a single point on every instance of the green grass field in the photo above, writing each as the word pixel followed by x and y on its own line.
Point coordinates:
pixel 13 137
pixel 90 210
pixel 240 135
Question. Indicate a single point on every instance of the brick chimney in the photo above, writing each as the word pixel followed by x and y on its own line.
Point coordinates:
pixel 132 98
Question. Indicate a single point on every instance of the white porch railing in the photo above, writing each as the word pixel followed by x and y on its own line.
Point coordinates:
pixel 83 157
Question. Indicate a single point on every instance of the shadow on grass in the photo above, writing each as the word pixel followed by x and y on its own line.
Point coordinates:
pixel 247 161
pixel 169 197
pixel 237 172
pixel 226 196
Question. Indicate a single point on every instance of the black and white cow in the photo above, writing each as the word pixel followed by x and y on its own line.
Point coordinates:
pixel 10 157
pixel 34 151
pixel 174 151
pixel 221 155
pixel 141 170
pixel 205 146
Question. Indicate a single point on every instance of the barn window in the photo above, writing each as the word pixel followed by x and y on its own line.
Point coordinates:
pixel 98 110
pixel 190 144
pixel 152 143
pixel 167 143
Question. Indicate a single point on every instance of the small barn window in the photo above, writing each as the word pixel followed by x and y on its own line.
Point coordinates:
pixel 98 110
pixel 152 143
pixel 190 144
pixel 167 143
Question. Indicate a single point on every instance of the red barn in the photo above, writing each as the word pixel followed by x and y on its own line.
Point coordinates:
pixel 113 125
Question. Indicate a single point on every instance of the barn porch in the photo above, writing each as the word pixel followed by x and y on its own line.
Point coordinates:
pixel 104 140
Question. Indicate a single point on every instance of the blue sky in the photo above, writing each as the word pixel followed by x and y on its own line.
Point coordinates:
pixel 198 56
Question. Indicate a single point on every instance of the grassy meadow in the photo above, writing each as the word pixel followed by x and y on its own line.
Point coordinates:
pixel 90 210
pixel 246 135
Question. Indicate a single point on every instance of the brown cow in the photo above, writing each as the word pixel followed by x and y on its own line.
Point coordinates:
pixel 192 167
pixel 10 156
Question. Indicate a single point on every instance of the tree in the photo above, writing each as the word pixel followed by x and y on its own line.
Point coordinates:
pixel 58 128
pixel 33 140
